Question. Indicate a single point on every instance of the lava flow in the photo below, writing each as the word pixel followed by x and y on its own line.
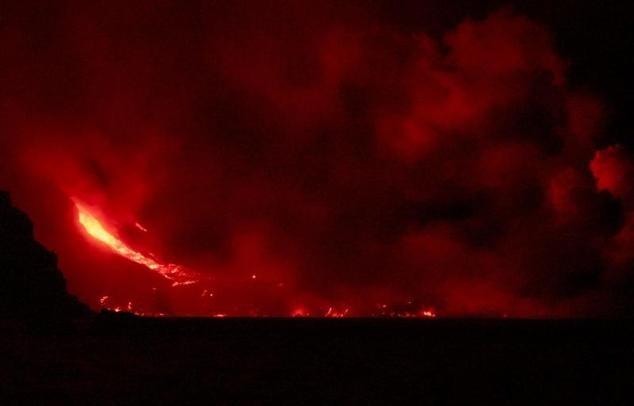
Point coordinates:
pixel 96 230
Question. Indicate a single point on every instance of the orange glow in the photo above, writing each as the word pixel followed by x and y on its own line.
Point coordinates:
pixel 300 312
pixel 94 227
pixel 140 227
pixel 335 313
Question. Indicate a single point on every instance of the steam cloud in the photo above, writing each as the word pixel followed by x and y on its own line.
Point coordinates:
pixel 343 161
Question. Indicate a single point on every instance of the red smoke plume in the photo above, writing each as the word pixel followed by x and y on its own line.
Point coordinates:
pixel 313 160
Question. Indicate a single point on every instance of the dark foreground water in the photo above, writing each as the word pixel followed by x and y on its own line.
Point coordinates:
pixel 122 360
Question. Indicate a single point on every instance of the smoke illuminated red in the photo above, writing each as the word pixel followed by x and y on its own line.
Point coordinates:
pixel 313 159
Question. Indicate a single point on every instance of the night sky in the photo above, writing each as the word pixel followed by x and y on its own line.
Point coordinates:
pixel 316 158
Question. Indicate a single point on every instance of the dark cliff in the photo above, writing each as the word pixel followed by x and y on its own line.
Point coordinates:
pixel 31 285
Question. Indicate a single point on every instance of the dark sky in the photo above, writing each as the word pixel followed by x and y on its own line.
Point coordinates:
pixel 473 157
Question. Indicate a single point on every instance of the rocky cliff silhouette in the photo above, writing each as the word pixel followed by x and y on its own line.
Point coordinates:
pixel 31 285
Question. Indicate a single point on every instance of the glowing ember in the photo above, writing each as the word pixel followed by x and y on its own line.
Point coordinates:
pixel 335 313
pixel 96 230
pixel 140 227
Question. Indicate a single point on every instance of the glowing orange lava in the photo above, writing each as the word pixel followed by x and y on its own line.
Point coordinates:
pixel 97 231
pixel 335 313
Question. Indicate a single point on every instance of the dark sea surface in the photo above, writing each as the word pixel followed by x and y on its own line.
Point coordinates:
pixel 121 359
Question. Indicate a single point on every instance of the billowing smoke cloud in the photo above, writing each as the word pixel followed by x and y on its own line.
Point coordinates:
pixel 314 157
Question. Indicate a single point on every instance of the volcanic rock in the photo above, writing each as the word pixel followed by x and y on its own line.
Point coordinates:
pixel 31 285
